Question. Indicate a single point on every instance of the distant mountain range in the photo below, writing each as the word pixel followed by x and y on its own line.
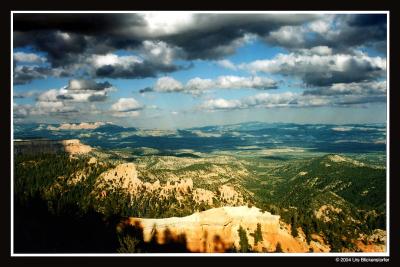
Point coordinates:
pixel 327 138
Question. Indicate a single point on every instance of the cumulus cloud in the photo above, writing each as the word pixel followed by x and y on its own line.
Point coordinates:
pixel 198 85
pixel 212 36
pixel 146 90
pixel 48 107
pixel 23 74
pixel 363 88
pixel 318 67
pixel 158 39
pixel 259 100
pixel 228 82
pixel 69 39
pixel 226 64
pixel 126 104
pixel 160 52
pixel 82 85
pixel 168 84
pixel 49 96
pixel 28 57
pixel 126 107
pixel 27 94
pixel 114 66
pixel 288 36
pixel 221 103
pixel 21 111
pixel 288 99
pixel 78 90
pixel 343 33
pixel 70 99
pixel 321 26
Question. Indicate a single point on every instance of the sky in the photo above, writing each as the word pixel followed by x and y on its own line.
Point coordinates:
pixel 171 70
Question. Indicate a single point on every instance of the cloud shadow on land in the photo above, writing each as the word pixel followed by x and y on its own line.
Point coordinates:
pixel 37 230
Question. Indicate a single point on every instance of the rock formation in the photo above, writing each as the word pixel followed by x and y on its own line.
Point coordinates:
pixel 73 146
pixel 216 230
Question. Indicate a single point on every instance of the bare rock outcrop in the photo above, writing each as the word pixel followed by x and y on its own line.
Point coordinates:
pixel 72 146
pixel 216 230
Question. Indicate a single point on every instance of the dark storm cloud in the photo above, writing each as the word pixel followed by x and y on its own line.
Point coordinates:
pixel 355 73
pixel 146 90
pixel 141 70
pixel 69 40
pixel 375 88
pixel 344 33
pixel 97 98
pixel 213 36
pixel 362 29
pixel 61 48
pixel 358 100
pixel 67 37
pixel 318 67
pixel 89 23
pixel 25 74
pixel 365 20
pixel 64 97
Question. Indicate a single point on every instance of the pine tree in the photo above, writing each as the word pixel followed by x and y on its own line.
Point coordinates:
pixel 244 242
pixel 257 234
pixel 294 231
pixel 128 244
pixel 278 248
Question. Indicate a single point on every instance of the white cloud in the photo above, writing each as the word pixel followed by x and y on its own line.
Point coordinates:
pixel 21 111
pixel 78 91
pixel 362 88
pixel 237 82
pixel 160 52
pixel 287 36
pixel 24 74
pixel 221 103
pixel 168 84
pixel 26 94
pixel 164 23
pixel 49 96
pixel 45 108
pixel 265 100
pixel 75 98
pixel 28 57
pixel 198 85
pixel 126 105
pixel 321 50
pixel 320 26
pixel 114 60
pixel 126 114
pixel 269 100
pixel 82 85
pixel 318 67
pixel 226 64
pixel 288 99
